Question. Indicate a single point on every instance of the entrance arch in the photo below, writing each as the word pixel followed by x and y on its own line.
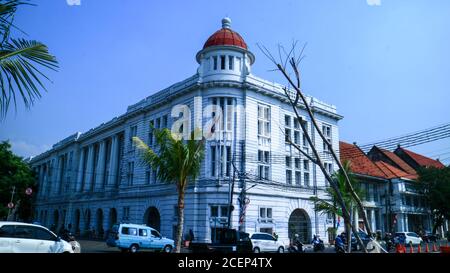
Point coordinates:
pixel 299 223
pixel 152 218
pixel 112 217
pixel 87 220
pixel 99 222
pixel 77 222
pixel 54 226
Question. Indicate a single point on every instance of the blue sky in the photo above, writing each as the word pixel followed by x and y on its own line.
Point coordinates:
pixel 384 66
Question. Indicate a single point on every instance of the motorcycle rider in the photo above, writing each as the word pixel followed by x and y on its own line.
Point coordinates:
pixel 297 245
pixel 317 243
pixel 339 244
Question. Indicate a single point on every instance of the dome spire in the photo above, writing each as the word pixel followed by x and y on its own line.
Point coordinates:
pixel 226 22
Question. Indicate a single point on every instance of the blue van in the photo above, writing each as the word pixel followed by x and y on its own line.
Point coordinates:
pixel 132 237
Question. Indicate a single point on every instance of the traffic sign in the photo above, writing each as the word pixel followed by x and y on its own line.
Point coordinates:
pixel 10 205
pixel 28 191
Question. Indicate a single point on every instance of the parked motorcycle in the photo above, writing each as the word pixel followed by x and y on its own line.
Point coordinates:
pixel 296 246
pixel 318 244
pixel 339 245
pixel 70 238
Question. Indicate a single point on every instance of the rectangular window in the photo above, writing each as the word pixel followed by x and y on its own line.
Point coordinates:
pixel 265 214
pixel 223 211
pixel 263 121
pixel 263 165
pixel 375 193
pixel 306 165
pixel 214 211
pixel 130 173
pixel 150 134
pixel 289 177
pixel 133 133
pixel 297 163
pixel 288 161
pixel 230 62
pixel 222 62
pixel 228 163
pixel 306 179
pixel 298 177
pixel 287 130
pixel 215 62
pixel 154 173
pixel 148 177
pixel 164 121
pixel 213 161
pixel 326 130
pixel 297 137
pixel 158 123
pixel 238 63
pixel 126 214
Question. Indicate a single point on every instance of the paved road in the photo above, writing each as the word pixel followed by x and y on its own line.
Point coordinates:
pixel 91 246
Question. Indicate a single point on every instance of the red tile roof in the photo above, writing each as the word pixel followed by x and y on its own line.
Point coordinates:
pixel 398 161
pixel 360 163
pixel 225 36
pixel 423 160
pixel 393 172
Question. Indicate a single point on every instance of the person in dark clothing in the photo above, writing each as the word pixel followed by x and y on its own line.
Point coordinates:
pixel 191 235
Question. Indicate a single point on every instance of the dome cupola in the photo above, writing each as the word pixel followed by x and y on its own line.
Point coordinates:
pixel 225 55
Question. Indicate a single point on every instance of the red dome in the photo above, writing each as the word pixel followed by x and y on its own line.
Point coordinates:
pixel 225 37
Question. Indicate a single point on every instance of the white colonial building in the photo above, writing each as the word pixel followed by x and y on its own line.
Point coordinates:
pixel 94 179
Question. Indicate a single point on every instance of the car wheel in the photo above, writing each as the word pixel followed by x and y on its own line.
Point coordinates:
pixel 134 248
pixel 281 249
pixel 256 250
pixel 167 249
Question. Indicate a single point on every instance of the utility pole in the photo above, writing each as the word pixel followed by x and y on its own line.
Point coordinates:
pixel 11 202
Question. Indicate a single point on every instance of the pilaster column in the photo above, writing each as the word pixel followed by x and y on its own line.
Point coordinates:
pixel 58 183
pixel 80 171
pixel 113 161
pixel 373 220
pixel 89 169
pixel 100 167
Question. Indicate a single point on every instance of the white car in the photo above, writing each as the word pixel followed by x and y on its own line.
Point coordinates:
pixel 16 237
pixel 409 237
pixel 264 242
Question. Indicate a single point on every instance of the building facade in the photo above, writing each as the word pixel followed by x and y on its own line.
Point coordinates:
pixel 392 200
pixel 94 179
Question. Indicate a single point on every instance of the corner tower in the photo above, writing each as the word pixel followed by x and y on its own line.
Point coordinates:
pixel 225 56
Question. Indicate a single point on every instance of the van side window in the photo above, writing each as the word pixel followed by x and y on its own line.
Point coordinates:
pixel 42 234
pixel 155 233
pixel 7 231
pixel 24 232
pixel 129 231
pixel 143 232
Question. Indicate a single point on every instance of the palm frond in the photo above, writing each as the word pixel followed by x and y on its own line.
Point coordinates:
pixel 18 71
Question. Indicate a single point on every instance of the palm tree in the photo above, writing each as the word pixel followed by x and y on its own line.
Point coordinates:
pixel 326 206
pixel 20 62
pixel 177 162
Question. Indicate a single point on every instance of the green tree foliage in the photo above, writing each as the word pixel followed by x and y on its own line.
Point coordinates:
pixel 14 172
pixel 21 62
pixel 177 162
pixel 329 205
pixel 435 184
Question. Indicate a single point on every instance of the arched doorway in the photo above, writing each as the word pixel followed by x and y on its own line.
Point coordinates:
pixel 152 218
pixel 299 223
pixel 87 220
pixel 54 226
pixel 112 217
pixel 99 222
pixel 77 222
